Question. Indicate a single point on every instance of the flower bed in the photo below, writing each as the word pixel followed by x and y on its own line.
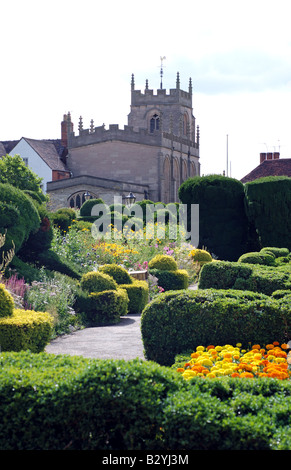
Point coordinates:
pixel 220 361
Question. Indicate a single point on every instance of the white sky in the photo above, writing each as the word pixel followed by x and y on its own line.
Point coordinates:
pixel 78 56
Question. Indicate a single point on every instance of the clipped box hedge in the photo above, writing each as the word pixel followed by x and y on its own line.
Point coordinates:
pixel 137 290
pixel 50 402
pixel 243 276
pixel 138 295
pixel 177 322
pixel 171 280
pixel 101 308
pixel 25 330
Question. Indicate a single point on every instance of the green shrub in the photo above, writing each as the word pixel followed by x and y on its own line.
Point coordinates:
pixel 61 220
pixel 119 274
pixel 41 239
pixel 138 295
pixel 186 414
pixel 132 224
pixel 24 270
pixel 243 276
pixel 80 225
pixel 39 197
pixel 28 221
pixel 258 258
pixel 278 294
pixel 177 322
pixel 102 308
pixel 223 275
pixel 171 280
pixel 54 262
pixel 201 256
pixel 9 215
pixel 223 224
pixel 163 262
pixel 268 205
pixel 117 207
pixel 76 403
pixel 86 208
pixel 6 302
pixel 277 252
pixel 71 402
pixel 25 330
pixel 69 211
pixel 95 281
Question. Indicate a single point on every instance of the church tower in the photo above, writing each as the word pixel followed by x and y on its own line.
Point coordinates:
pixel 172 113
pixel 151 156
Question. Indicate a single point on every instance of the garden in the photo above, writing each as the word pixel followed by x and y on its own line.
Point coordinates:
pixel 217 369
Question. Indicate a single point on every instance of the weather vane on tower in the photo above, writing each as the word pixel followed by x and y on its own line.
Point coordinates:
pixel 161 72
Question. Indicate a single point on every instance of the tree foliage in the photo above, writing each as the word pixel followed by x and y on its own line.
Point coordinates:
pixel 14 171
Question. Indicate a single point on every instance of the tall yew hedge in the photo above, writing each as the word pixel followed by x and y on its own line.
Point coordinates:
pixel 236 218
pixel 268 205
pixel 223 224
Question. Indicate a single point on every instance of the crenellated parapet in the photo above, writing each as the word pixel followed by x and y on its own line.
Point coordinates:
pixel 143 136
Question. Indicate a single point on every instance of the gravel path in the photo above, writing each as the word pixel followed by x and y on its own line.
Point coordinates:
pixel 120 341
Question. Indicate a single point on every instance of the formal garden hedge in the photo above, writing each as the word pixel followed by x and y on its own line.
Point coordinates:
pixel 244 276
pixel 236 218
pixel 177 322
pixel 52 402
pixel 221 204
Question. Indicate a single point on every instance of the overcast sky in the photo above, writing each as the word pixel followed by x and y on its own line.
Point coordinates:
pixel 78 56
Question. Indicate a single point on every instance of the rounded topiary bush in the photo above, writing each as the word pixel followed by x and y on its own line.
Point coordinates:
pixel 119 274
pixel 101 308
pixel 257 258
pixel 6 302
pixel 163 262
pixel 95 281
pixel 171 280
pixel 277 252
pixel 177 322
pixel 200 256
pixel 86 208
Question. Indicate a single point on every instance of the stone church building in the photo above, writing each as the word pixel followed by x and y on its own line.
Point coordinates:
pixel 151 156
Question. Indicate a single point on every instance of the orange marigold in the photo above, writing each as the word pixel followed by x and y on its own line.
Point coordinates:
pixel 247 375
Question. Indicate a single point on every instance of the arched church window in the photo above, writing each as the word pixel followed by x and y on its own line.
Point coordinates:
pixel 154 123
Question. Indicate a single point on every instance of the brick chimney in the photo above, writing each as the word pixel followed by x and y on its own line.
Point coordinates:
pixel 67 127
pixel 269 156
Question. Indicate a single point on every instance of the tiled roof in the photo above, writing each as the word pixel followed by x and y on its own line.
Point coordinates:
pixel 277 167
pixel 49 150
pixel 7 145
pixel 2 150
